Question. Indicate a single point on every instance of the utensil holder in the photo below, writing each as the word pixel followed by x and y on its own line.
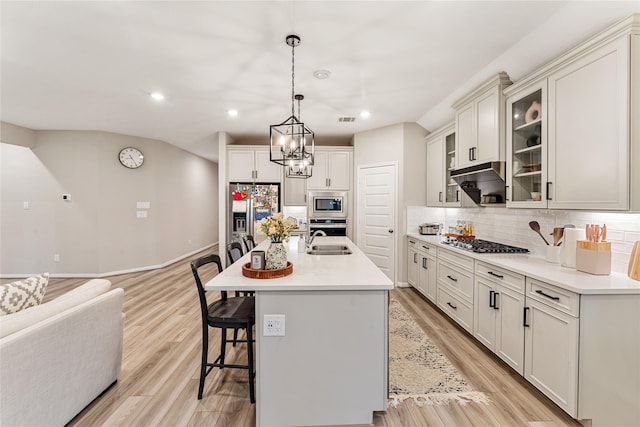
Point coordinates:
pixel 553 254
pixel 593 257
pixel 634 262
pixel 568 252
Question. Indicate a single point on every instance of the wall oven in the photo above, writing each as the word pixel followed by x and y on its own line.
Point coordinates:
pixel 331 227
pixel 328 204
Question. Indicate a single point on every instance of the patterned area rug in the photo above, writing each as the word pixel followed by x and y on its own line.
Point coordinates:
pixel 417 368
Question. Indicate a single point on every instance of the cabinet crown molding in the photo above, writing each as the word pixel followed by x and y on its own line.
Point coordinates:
pixel 501 80
pixel 448 128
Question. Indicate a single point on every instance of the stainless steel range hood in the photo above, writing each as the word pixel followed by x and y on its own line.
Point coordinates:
pixel 483 183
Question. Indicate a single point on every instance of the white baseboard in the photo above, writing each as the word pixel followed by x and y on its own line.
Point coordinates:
pixel 110 273
pixel 402 285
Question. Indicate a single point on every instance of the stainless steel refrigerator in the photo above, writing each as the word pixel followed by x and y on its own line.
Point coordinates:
pixel 248 204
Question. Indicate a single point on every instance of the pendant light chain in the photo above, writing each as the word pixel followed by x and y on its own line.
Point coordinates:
pixel 293 74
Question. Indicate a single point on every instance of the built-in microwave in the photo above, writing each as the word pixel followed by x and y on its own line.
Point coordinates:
pixel 328 204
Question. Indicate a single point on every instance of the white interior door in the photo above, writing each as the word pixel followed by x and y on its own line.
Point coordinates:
pixel 376 212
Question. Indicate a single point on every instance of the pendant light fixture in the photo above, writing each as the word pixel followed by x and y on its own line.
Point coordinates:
pixel 298 168
pixel 291 142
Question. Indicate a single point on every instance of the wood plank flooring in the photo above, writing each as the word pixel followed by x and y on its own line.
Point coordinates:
pixel 159 380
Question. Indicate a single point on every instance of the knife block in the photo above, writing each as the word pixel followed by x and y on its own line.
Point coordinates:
pixel 634 262
pixel 593 257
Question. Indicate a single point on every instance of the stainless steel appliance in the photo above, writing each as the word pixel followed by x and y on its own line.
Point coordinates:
pixel 484 246
pixel 328 204
pixel 331 227
pixel 248 204
pixel 430 228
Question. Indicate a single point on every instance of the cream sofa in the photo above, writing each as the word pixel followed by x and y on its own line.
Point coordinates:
pixel 57 357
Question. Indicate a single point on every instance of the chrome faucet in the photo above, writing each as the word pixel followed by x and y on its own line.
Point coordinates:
pixel 310 237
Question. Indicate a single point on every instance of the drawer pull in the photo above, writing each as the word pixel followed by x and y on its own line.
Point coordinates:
pixel 452 278
pixel 491 294
pixel 452 306
pixel 524 317
pixel 495 300
pixel 538 291
pixel 412 242
pixel 499 276
pixel 425 247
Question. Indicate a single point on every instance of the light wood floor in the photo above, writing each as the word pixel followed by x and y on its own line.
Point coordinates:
pixel 159 380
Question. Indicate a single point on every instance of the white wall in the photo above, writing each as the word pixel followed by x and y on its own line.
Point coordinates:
pixel 97 232
pixel 511 226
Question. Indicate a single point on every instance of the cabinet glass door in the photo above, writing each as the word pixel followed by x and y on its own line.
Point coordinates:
pixel 527 158
pixel 452 190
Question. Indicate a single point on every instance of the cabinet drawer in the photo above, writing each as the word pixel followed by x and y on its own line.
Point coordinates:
pixel 459 310
pixel 459 280
pixel 506 278
pixel 426 248
pixel 565 301
pixel 453 258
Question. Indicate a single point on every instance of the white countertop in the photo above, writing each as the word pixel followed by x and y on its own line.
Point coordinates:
pixel 537 268
pixel 310 272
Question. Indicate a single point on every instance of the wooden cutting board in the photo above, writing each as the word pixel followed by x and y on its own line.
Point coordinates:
pixel 634 262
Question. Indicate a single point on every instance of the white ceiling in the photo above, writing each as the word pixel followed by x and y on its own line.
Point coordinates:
pixel 91 65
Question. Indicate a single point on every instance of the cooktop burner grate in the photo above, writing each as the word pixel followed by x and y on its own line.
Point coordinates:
pixel 484 246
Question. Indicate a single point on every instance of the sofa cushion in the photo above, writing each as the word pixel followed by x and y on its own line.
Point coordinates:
pixel 20 320
pixel 16 296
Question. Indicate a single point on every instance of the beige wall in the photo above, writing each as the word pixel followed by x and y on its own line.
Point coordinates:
pixel 402 143
pixel 97 232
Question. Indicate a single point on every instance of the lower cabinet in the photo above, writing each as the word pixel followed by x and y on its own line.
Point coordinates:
pixel 412 264
pixel 551 343
pixel 455 287
pixel 498 314
pixel 421 268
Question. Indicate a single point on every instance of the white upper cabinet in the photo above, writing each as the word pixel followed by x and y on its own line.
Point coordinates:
pixel 295 192
pixel 442 190
pixel 589 131
pixel 479 130
pixel 332 169
pixel 250 164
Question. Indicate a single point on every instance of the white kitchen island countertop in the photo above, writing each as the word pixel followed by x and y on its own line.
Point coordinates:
pixel 537 268
pixel 310 272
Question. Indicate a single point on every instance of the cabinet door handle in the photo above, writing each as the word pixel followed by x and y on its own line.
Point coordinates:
pixel 415 261
pixel 538 291
pixel 452 306
pixel 491 293
pixel 549 190
pixel 440 196
pixel 425 265
pixel 495 300
pixel 452 278
pixel 470 154
pixel 506 193
pixel 499 276
pixel 524 317
pixel 457 195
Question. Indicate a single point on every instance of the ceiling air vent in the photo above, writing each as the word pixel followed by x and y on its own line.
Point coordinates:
pixel 346 119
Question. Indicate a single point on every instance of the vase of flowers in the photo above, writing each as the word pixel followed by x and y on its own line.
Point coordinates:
pixel 277 228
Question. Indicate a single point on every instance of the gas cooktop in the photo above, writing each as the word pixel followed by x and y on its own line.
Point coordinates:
pixel 484 246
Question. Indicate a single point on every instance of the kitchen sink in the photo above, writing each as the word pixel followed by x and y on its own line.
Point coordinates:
pixel 329 250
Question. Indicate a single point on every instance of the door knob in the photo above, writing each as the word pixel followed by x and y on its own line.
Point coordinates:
pixel 391 230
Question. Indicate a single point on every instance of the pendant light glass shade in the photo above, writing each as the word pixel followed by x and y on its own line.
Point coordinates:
pixel 291 142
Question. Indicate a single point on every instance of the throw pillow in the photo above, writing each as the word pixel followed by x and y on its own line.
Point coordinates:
pixel 16 296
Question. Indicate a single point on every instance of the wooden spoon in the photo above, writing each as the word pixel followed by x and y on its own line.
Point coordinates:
pixel 557 234
pixel 536 227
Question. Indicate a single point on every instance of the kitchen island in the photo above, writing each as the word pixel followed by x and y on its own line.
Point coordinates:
pixel 330 367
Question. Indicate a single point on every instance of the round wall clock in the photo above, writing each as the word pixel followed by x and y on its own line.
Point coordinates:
pixel 131 158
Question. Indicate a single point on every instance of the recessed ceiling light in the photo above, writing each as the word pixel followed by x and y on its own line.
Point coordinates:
pixel 321 74
pixel 157 96
pixel 232 113
pixel 365 114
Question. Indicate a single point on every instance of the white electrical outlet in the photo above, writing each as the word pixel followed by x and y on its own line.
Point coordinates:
pixel 56 257
pixel 273 325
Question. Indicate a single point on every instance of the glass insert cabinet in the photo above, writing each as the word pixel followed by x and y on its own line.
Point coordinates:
pixel 527 148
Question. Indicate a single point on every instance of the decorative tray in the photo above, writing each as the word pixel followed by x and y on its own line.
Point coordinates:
pixel 459 236
pixel 247 271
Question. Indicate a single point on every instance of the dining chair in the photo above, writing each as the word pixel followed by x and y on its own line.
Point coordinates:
pixel 249 243
pixel 235 313
pixel 234 252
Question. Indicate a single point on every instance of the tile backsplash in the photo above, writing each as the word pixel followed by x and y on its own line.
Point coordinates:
pixel 511 226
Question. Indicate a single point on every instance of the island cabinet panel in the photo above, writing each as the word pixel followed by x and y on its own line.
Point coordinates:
pixel 330 368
